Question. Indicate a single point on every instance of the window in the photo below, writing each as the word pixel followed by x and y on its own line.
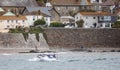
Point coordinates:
pixel 94 17
pixel 8 21
pixel 76 17
pixel 8 26
pixel 23 20
pixel 107 25
pixel 46 19
pixel 33 17
pixel 107 18
pixel 101 25
pixel 16 21
pixel 101 18
pixel 12 21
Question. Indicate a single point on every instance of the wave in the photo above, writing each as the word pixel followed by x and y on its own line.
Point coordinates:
pixel 34 59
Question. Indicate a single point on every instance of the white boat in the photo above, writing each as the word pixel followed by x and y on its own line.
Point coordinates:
pixel 47 57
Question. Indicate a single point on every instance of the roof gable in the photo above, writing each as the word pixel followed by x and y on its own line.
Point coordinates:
pixel 70 2
pixel 1 10
pixel 43 10
pixel 18 3
pixel 13 17
pixel 96 14
pixel 9 14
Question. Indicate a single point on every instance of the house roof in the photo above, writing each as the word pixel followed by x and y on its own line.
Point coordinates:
pixel 110 2
pixel 70 2
pixel 43 10
pixel 13 17
pixel 1 10
pixel 96 14
pixel 9 14
pixel 18 3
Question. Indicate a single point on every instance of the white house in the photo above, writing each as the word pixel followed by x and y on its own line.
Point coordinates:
pixel 96 19
pixel 35 13
pixel 10 20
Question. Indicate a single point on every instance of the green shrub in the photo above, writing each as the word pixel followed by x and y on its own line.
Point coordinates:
pixel 80 23
pixel 26 30
pixel 39 22
pixel 56 24
pixel 116 24
pixel 17 30
pixel 35 30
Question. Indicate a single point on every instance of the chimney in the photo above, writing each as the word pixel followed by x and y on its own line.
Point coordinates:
pixel 39 12
pixel 17 12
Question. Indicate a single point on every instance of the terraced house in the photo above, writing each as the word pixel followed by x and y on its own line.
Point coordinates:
pixel 96 19
pixel 10 20
pixel 21 13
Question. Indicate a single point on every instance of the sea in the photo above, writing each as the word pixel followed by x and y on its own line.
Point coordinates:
pixel 65 61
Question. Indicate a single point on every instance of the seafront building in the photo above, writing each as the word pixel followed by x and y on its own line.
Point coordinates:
pixel 14 13
pixel 96 19
pixel 10 20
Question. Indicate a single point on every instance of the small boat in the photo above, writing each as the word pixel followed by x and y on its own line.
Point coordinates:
pixel 47 57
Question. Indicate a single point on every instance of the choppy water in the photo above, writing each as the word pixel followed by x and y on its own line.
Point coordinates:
pixel 66 61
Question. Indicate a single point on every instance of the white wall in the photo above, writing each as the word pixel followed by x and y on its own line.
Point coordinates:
pixel 92 1
pixel 88 20
pixel 32 18
pixel 47 19
pixel 35 17
pixel 12 24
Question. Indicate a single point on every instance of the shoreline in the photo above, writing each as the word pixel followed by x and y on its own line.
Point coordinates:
pixel 27 50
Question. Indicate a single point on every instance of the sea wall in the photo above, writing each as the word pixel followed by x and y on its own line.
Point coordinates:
pixel 17 41
pixel 59 38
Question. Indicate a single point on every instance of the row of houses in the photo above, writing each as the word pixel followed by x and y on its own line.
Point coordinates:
pixel 23 13
pixel 101 13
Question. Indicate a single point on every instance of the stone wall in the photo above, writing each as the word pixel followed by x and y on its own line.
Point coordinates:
pixel 76 38
pixel 17 41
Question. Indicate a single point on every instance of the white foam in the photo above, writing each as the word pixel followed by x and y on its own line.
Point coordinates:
pixel 34 59
pixel 6 54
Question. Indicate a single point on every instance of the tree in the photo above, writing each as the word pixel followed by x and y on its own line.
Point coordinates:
pixel 39 22
pixel 116 24
pixel 80 23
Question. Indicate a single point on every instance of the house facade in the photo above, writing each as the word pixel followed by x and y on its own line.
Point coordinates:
pixel 96 19
pixel 10 20
pixel 34 13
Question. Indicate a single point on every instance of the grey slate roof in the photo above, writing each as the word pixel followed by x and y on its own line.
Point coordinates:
pixel 44 10
pixel 18 3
